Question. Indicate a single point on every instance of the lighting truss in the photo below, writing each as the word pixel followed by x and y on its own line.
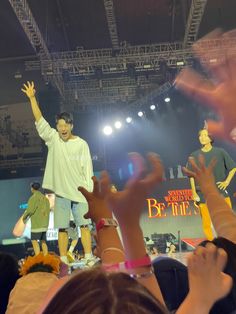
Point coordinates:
pixel 28 23
pixel 111 21
pixel 193 23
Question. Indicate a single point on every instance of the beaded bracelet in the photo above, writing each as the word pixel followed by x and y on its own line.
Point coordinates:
pixel 143 275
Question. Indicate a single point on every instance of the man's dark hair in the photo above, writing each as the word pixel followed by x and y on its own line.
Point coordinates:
pixel 64 116
pixel 35 185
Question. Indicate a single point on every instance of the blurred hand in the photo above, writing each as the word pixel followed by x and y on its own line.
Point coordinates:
pixel 29 89
pixel 219 93
pixel 207 282
pixel 202 174
pixel 127 205
pixel 96 200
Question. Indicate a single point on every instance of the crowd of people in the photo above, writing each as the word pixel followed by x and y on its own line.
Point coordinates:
pixel 126 280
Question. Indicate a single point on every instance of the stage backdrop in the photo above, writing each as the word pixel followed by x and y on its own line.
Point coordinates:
pixel 13 194
pixel 168 210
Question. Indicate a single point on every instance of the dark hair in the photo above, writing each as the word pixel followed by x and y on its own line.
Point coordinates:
pixel 64 116
pixel 95 290
pixel 35 185
pixel 209 134
pixel 40 267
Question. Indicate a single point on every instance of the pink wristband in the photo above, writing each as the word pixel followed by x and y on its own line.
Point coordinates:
pixel 141 262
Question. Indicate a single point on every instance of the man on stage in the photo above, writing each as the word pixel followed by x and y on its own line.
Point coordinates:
pixel 38 211
pixel 224 171
pixel 69 165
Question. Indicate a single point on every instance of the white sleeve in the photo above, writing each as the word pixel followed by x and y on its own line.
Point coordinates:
pixel 87 167
pixel 44 130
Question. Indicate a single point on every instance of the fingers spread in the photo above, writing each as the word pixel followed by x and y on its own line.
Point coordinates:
pixel 85 193
pixel 192 162
pixel 221 259
pixel 156 173
pixel 95 185
pixel 138 164
pixel 105 183
pixel 188 172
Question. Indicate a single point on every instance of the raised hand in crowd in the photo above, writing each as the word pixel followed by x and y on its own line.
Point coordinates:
pixel 96 199
pixel 216 52
pixel 109 246
pixel 127 205
pixel 207 282
pixel 202 174
pixel 222 216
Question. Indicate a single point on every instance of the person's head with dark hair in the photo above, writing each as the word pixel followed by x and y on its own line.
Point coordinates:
pixel 95 290
pixel 35 186
pixel 49 263
pixel 67 117
pixel 204 137
pixel 64 124
pixel 9 273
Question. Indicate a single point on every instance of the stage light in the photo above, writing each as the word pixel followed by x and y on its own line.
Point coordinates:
pixel 147 66
pixel 167 99
pixel 18 75
pixel 152 107
pixel 107 130
pixel 118 124
pixel 140 113
pixel 128 119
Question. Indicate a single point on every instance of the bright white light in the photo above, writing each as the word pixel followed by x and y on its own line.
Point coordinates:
pixel 128 119
pixel 107 130
pixel 167 99
pixel 118 124
pixel 140 113
pixel 179 63
pixel 152 107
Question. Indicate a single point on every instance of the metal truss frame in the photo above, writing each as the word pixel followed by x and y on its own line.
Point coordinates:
pixel 193 23
pixel 111 21
pixel 84 62
pixel 28 23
